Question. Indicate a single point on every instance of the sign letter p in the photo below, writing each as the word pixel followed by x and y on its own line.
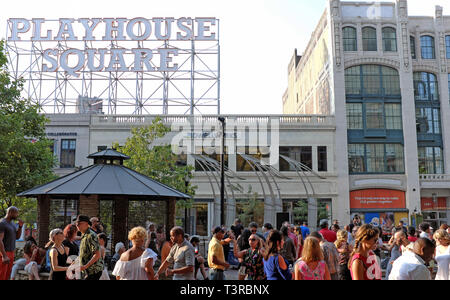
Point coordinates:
pixel 15 29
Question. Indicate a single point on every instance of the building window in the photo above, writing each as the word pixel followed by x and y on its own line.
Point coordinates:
pixel 210 152
pixel 242 165
pixel 322 159
pixel 428 120
pixel 354 116
pixel 369 35
pixel 201 219
pixel 372 80
pixel 350 41
pixel 425 87
pixel 447 46
pixel 62 211
pixel 376 158
pixel 431 160
pixel 389 39
pixel 68 148
pixel 427 47
pixel 374 116
pixel 393 115
pixel 412 41
pixel 300 154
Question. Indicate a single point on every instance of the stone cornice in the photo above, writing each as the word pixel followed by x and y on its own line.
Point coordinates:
pixel 372 60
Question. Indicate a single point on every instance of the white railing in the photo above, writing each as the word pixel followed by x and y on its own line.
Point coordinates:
pixel 435 177
pixel 213 119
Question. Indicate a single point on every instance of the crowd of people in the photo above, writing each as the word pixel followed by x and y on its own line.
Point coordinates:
pixel 290 253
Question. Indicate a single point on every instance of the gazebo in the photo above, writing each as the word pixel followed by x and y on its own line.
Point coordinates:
pixel 107 179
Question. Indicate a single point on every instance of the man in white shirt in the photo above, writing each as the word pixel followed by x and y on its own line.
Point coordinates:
pixel 411 265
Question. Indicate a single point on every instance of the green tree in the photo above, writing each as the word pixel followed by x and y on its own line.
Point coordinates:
pixel 158 161
pixel 25 156
pixel 251 209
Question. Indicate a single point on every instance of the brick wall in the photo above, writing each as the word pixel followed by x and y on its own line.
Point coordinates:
pixel 89 206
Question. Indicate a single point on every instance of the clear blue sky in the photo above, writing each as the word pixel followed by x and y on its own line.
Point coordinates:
pixel 258 37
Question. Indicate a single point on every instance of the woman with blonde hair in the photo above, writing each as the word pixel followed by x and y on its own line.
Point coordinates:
pixel 312 265
pixel 136 263
pixel 252 258
pixel 363 263
pixel 58 255
pixel 344 249
pixel 442 255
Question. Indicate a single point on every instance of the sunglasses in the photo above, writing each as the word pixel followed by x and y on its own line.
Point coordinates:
pixel 251 240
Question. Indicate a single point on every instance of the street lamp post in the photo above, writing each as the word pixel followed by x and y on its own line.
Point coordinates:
pixel 222 174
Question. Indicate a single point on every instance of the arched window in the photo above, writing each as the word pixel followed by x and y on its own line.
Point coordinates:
pixel 427 47
pixel 350 41
pixel 389 39
pixel 369 35
pixel 372 80
pixel 425 87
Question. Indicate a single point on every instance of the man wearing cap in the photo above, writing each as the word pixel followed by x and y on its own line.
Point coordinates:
pixel 8 236
pixel 90 263
pixel 216 257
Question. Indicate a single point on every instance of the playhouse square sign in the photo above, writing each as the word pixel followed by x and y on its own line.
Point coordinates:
pixel 70 55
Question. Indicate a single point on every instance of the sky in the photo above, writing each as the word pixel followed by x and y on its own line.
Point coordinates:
pixel 257 37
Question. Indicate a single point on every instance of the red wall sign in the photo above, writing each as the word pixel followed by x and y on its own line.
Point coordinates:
pixel 377 199
pixel 428 204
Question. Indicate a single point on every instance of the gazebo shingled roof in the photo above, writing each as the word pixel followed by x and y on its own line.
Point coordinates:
pixel 105 179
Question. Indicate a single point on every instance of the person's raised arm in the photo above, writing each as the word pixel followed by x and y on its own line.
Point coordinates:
pixel 238 254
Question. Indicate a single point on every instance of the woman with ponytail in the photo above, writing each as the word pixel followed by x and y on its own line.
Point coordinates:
pixel 363 263
pixel 275 266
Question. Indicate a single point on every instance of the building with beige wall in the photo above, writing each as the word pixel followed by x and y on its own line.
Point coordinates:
pixel 384 75
pixel 303 138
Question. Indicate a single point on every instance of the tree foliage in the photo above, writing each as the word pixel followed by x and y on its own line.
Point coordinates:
pixel 25 156
pixel 251 209
pixel 158 161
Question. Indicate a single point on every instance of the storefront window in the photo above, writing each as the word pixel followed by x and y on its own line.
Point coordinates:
pixel 201 219
pixel 250 210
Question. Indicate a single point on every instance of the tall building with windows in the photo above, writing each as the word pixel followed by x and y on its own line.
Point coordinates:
pixel 385 77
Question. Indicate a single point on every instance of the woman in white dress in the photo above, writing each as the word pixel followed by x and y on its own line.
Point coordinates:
pixel 442 256
pixel 136 263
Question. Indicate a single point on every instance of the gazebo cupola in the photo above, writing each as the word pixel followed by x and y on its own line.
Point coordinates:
pixel 108 157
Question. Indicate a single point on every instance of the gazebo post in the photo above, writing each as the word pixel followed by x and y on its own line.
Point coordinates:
pixel 120 221
pixel 170 214
pixel 43 202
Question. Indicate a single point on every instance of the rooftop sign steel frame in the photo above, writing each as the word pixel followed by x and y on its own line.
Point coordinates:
pixel 122 66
